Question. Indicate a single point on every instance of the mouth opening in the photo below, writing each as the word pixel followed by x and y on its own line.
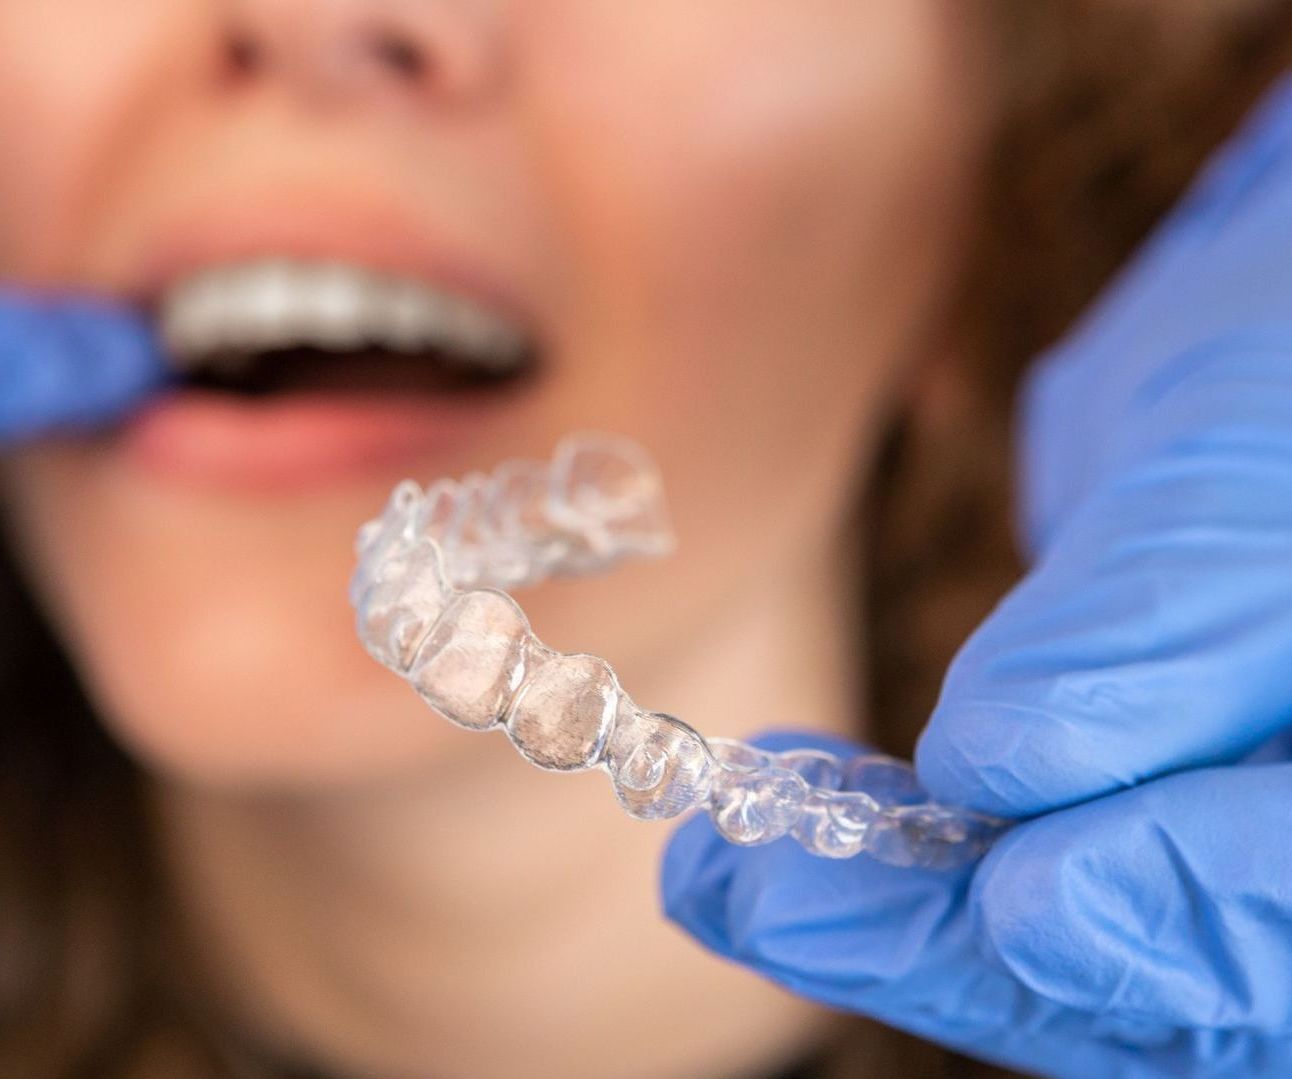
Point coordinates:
pixel 278 326
pixel 366 370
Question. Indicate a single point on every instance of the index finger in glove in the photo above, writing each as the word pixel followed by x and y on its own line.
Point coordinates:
pixel 71 363
pixel 1169 903
pixel 1155 629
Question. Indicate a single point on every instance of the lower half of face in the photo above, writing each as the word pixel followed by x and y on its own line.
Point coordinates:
pixel 721 233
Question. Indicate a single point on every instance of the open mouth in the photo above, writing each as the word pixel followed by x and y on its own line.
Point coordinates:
pixel 276 325
pixel 304 371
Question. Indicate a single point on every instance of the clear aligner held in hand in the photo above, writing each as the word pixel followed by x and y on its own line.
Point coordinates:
pixel 427 590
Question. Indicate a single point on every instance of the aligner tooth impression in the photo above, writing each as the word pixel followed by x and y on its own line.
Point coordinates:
pixel 469 666
pixel 426 593
pixel 660 767
pixel 562 715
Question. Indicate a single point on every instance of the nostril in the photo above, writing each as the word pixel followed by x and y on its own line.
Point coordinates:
pixel 398 54
pixel 242 55
pixel 353 48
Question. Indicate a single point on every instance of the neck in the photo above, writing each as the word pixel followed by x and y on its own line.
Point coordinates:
pixel 498 915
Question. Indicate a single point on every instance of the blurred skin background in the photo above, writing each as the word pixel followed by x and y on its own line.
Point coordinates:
pixel 800 251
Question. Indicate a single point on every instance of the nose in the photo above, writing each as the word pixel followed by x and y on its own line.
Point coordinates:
pixel 341 51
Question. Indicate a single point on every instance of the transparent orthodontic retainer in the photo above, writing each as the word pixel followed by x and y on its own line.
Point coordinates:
pixel 427 590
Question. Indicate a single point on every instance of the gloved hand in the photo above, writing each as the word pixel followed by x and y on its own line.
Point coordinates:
pixel 70 364
pixel 1122 696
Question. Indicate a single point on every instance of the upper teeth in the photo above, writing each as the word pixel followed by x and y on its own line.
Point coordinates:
pixel 234 311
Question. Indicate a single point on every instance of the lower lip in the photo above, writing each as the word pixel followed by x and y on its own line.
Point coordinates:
pixel 294 441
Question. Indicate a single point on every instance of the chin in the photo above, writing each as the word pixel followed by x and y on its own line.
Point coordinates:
pixel 273 743
pixel 251 686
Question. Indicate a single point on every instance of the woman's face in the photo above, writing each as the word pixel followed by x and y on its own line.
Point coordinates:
pixel 729 229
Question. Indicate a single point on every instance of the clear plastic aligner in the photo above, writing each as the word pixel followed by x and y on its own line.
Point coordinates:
pixel 425 591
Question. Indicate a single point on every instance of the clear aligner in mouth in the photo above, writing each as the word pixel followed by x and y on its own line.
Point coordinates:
pixel 427 592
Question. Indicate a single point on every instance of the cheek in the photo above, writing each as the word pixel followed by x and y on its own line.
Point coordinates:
pixel 764 203
pixel 77 93
pixel 784 169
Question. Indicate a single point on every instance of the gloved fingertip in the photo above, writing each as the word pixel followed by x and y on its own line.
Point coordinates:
pixel 120 355
pixel 989 758
pixel 1157 904
pixel 73 363
pixel 1023 910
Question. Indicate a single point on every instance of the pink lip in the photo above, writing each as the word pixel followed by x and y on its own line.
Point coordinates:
pixel 299 440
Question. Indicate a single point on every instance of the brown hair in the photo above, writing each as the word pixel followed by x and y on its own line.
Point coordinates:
pixel 1110 106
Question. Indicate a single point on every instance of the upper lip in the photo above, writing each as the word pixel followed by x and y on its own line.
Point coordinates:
pixel 379 240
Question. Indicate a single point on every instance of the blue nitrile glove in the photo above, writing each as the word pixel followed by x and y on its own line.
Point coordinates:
pixel 70 364
pixel 1142 923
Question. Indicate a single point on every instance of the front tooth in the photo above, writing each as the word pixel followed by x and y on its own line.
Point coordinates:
pixel 238 293
pixel 336 298
pixel 269 306
pixel 410 318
